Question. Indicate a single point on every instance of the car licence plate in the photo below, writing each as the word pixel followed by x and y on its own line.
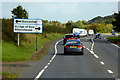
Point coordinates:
pixel 73 46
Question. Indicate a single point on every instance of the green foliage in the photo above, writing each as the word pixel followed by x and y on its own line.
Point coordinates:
pixel 11 52
pixel 114 39
pixel 109 28
pixel 9 76
pixel 116 23
pixel 7 32
pixel 100 27
pixel 79 24
pixel 19 12
pixel 101 20
pixel 52 27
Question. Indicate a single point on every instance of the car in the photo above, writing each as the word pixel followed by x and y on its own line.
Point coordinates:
pixel 69 36
pixel 91 32
pixel 76 34
pixel 113 33
pixel 98 35
pixel 73 46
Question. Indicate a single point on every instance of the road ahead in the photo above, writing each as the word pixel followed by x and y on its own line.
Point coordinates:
pixel 100 60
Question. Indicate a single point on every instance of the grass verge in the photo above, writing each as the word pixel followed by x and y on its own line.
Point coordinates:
pixel 114 39
pixel 10 52
pixel 9 76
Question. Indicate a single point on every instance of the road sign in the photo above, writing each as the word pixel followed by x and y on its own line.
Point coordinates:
pixel 27 26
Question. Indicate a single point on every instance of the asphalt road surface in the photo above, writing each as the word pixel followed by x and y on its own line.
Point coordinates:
pixel 99 62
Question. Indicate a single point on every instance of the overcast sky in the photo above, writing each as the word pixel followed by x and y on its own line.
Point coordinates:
pixel 63 11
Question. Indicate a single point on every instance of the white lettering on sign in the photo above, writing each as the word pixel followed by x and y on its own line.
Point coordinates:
pixel 27 26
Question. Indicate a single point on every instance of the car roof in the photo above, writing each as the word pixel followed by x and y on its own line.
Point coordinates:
pixel 73 40
pixel 69 34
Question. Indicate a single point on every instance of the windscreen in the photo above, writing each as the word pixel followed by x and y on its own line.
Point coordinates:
pixel 69 36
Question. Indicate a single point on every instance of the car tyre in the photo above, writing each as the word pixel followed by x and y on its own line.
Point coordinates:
pixel 82 53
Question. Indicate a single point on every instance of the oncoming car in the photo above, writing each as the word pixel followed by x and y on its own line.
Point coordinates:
pixel 73 46
pixel 98 35
pixel 69 36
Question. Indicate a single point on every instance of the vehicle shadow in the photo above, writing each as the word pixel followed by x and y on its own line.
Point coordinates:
pixel 69 54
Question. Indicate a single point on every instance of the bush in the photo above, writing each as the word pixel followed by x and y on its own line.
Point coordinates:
pixel 7 31
pixel 114 39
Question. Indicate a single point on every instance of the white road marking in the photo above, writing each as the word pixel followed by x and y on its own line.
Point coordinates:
pixel 50 61
pixel 84 46
pixel 95 56
pixel 88 49
pixel 41 72
pixel 91 52
pixel 111 43
pixel 102 63
pixel 110 71
pixel 115 45
pixel 45 67
pixel 92 45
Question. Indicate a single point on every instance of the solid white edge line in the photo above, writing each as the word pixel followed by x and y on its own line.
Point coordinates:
pixel 110 71
pixel 41 72
pixel 111 43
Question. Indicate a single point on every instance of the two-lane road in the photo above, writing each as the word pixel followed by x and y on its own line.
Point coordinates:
pixel 57 65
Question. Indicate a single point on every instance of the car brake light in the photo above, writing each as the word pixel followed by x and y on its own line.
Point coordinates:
pixel 80 46
pixel 67 46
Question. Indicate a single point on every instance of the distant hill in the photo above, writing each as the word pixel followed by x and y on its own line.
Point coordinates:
pixel 99 19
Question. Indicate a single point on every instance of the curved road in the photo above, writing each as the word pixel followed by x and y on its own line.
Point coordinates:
pixel 100 63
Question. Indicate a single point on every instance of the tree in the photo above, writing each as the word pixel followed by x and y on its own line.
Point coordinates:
pixel 116 23
pixel 19 12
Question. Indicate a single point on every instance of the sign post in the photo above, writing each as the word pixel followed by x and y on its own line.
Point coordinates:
pixel 27 26
pixel 18 41
pixel 37 42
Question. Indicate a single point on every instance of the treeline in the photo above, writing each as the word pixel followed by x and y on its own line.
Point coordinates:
pixel 98 24
pixel 48 27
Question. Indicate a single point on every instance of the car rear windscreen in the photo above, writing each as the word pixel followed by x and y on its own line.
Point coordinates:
pixel 69 36
pixel 73 42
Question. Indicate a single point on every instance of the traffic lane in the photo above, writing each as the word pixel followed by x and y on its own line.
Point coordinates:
pixel 108 54
pixel 39 65
pixel 75 66
pixel 86 41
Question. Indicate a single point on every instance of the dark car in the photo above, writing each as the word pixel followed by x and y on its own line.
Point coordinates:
pixel 98 35
pixel 76 34
pixel 113 33
pixel 69 36
pixel 73 46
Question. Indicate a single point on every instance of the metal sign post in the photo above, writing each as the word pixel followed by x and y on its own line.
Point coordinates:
pixel 18 41
pixel 37 42
pixel 27 26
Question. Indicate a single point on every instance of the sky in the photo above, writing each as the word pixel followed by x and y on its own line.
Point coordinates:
pixel 62 11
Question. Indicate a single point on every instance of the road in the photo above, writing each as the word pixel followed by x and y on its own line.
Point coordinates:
pixel 99 62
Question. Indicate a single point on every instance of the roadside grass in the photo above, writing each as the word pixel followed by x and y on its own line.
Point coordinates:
pixel 9 76
pixel 109 33
pixel 10 52
pixel 114 39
